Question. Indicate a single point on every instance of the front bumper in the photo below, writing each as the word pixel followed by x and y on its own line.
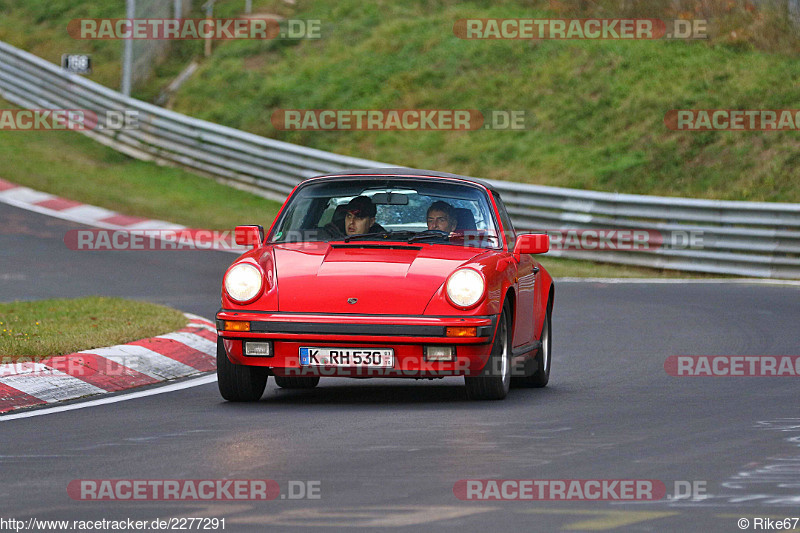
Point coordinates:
pixel 406 335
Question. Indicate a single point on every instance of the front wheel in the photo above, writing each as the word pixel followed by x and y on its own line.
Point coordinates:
pixel 543 357
pixel 239 383
pixel 495 379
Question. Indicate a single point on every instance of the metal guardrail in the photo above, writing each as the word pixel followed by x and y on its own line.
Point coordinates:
pixel 265 166
pixel 756 239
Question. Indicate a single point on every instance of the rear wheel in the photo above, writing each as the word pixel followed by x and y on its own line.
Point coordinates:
pixel 495 379
pixel 239 383
pixel 293 382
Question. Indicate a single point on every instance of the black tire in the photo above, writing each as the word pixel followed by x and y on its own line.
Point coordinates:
pixel 495 378
pixel 544 356
pixel 294 382
pixel 239 383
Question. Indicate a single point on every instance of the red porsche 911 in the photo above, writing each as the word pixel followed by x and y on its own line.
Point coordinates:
pixel 385 272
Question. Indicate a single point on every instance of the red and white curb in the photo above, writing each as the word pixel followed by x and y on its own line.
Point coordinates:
pixel 99 217
pixel 55 206
pixel 191 350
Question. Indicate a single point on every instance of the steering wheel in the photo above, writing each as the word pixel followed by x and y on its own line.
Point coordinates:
pixel 434 232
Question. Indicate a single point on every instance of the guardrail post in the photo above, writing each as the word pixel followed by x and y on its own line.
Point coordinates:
pixel 127 54
pixel 209 14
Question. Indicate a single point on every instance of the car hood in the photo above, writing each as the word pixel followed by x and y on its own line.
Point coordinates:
pixel 364 278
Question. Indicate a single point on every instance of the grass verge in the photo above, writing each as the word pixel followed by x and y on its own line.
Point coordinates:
pixel 596 108
pixel 561 267
pixel 60 326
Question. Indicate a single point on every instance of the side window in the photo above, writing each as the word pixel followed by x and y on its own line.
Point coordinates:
pixel 509 234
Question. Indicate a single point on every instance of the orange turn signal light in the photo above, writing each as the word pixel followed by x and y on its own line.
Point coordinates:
pixel 460 331
pixel 234 325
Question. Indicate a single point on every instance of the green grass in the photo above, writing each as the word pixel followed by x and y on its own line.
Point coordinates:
pixel 561 267
pixel 598 106
pixel 44 328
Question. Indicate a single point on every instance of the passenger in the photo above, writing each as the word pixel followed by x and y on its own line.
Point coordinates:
pixel 441 216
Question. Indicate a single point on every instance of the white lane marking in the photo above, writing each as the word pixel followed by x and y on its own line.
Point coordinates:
pixel 113 399
pixel 212 329
pixel 25 195
pixel 89 212
pixel 683 281
pixel 144 360
pixel 192 316
pixel 197 321
pixel 48 384
pixel 155 224
pixel 192 341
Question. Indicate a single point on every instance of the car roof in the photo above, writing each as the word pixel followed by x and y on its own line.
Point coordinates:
pixel 382 172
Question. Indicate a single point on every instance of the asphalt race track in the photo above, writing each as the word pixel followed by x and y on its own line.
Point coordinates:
pixel 386 454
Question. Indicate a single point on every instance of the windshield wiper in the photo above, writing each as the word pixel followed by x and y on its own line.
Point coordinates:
pixel 428 235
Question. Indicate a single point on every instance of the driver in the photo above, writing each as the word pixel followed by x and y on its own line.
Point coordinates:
pixel 359 218
pixel 441 216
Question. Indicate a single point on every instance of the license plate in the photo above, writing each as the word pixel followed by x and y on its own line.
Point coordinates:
pixel 369 357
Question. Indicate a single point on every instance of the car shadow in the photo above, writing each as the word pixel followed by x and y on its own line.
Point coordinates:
pixel 369 393
pixel 394 392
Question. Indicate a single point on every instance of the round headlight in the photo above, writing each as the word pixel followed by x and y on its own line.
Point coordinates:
pixel 243 282
pixel 465 287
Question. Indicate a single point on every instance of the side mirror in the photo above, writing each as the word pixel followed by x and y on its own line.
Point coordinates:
pixel 249 235
pixel 531 243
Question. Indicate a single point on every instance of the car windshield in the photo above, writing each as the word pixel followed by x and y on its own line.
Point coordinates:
pixel 388 210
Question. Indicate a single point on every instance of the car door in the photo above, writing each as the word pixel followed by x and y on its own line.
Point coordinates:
pixel 525 282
